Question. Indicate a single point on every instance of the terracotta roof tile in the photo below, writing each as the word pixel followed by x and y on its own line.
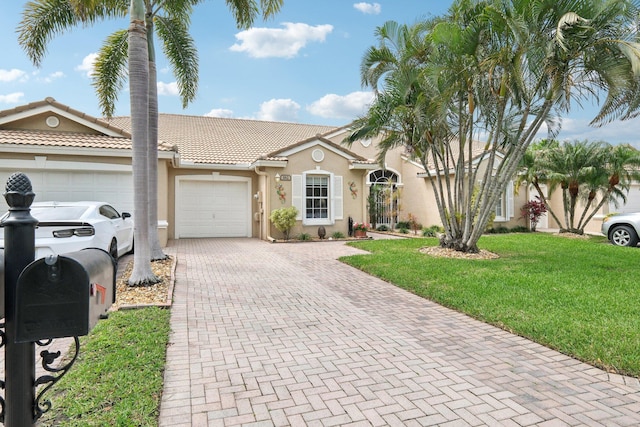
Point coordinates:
pixel 214 140
pixel 68 139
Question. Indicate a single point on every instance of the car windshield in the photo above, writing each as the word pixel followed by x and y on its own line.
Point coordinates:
pixel 58 213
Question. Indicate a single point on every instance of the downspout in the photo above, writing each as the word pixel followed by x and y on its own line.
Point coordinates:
pixel 262 201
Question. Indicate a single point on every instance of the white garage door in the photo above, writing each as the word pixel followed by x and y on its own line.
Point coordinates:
pixel 115 188
pixel 213 209
pixel 633 201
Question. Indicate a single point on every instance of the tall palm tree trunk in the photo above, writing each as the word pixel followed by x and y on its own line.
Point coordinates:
pixel 139 95
pixel 155 248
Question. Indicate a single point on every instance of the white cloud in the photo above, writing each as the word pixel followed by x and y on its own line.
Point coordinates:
pixel 53 76
pixel 368 8
pixel 12 98
pixel 220 112
pixel 278 42
pixel 279 110
pixel 341 107
pixel 88 64
pixel 615 132
pixel 12 75
pixel 170 89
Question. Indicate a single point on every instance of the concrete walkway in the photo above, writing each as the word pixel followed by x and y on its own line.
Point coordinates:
pixel 285 335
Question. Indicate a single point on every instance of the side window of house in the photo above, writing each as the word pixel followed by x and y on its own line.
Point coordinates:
pixel 504 205
pixel 318 197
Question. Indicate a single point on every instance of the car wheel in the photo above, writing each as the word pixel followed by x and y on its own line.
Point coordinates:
pixel 113 249
pixel 623 235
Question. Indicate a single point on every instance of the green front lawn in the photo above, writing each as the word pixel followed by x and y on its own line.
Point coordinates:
pixel 580 297
pixel 118 376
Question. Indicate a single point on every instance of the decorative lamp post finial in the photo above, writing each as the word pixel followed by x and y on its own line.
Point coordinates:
pixel 19 192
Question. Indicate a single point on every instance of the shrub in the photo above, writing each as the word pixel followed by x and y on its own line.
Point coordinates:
pixel 382 228
pixel 520 229
pixel 403 230
pixel 432 231
pixel 284 219
pixel 414 224
pixel 498 230
pixel 337 235
pixel 403 224
pixel 533 210
pixel 304 236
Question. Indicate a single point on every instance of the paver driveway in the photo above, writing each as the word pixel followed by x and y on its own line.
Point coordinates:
pixel 284 334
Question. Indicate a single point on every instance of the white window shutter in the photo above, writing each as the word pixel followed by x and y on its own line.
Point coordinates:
pixel 297 190
pixel 510 202
pixel 337 198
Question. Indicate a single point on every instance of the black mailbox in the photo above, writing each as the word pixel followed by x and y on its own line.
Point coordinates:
pixel 64 295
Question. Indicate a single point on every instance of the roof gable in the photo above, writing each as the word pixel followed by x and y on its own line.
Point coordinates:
pixel 56 117
pixel 317 140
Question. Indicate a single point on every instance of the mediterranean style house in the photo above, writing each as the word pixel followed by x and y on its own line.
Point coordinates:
pixel 221 177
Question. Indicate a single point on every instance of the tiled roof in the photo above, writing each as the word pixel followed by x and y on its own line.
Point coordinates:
pixel 68 139
pixel 215 140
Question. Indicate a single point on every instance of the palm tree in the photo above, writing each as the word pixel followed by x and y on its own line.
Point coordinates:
pixel 139 94
pixel 621 168
pixel 42 19
pixel 503 68
pixel 531 172
pixel 575 167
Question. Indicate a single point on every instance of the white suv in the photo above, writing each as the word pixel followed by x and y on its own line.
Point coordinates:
pixel 622 229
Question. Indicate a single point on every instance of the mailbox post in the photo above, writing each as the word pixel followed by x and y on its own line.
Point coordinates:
pixel 54 297
pixel 19 251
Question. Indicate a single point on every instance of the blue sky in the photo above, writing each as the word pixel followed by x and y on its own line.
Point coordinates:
pixel 300 66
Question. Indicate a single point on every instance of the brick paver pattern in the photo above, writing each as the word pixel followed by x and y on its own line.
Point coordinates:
pixel 285 335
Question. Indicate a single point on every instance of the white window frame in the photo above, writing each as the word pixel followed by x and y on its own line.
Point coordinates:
pixel 505 203
pixel 335 197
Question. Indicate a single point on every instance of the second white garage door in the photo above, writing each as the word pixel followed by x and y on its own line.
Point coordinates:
pixel 213 208
pixel 115 188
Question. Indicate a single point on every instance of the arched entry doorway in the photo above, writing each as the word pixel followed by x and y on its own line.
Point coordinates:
pixel 383 197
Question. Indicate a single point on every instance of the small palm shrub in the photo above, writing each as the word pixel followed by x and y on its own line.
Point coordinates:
pixel 304 236
pixel 382 228
pixel 403 230
pixel 338 235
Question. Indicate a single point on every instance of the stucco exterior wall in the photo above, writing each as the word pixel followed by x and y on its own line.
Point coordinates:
pixel 172 173
pixel 39 122
pixel 280 192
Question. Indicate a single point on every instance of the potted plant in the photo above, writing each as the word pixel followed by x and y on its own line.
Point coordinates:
pixel 360 229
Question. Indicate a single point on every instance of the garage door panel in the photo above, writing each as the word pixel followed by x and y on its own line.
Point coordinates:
pixel 213 209
pixel 115 188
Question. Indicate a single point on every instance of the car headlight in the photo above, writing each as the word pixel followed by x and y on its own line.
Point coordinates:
pixel 80 232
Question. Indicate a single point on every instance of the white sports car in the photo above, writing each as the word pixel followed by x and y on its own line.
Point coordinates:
pixel 71 226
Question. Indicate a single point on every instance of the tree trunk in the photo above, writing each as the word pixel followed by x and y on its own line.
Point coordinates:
pixel 139 95
pixel 155 248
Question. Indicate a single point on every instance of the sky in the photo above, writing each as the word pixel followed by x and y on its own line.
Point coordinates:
pixel 301 66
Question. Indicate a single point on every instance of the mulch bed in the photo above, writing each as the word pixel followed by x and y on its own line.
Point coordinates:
pixel 159 294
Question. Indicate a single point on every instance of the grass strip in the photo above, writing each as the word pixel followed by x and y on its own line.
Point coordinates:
pixel 117 379
pixel 580 297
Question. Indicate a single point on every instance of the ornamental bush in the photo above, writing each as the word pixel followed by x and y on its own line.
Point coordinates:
pixel 533 210
pixel 284 219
